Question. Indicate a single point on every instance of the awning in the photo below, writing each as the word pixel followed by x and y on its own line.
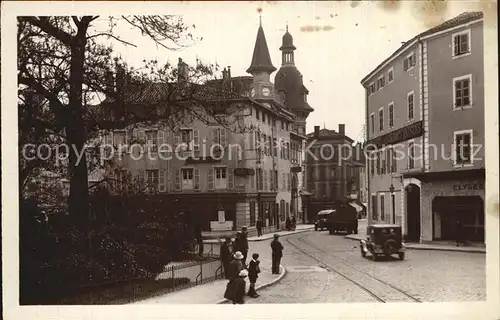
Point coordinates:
pixel 356 206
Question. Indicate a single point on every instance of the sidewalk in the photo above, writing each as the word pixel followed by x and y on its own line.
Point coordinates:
pixel 300 228
pixel 213 292
pixel 440 246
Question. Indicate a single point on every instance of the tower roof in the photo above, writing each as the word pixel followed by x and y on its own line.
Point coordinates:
pixel 261 60
pixel 287 41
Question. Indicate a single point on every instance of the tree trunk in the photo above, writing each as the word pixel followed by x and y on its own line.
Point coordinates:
pixel 78 201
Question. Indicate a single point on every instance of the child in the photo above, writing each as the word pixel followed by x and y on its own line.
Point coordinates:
pixel 253 274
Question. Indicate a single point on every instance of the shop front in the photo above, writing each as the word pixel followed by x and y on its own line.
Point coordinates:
pixel 453 205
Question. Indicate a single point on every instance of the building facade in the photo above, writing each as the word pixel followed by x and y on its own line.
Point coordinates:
pixel 425 126
pixel 333 169
pixel 253 172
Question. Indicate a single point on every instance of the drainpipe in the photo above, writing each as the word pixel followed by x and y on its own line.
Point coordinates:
pixel 367 169
pixel 424 150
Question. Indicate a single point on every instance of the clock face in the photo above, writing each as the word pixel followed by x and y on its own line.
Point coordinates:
pixel 252 92
pixel 266 92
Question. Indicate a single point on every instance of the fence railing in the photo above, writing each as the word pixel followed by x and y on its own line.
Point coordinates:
pixel 175 276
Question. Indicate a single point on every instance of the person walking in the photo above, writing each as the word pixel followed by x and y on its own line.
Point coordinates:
pixel 199 238
pixel 236 266
pixel 244 244
pixel 259 227
pixel 253 274
pixel 277 253
pixel 294 223
pixel 235 290
pixel 225 256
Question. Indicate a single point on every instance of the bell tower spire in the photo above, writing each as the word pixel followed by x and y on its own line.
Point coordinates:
pixel 287 49
pixel 261 67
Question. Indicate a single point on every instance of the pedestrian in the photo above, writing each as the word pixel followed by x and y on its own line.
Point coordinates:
pixel 288 224
pixel 236 266
pixel 253 274
pixel 225 256
pixel 244 244
pixel 259 227
pixel 277 253
pixel 294 223
pixel 199 238
pixel 235 289
pixel 238 242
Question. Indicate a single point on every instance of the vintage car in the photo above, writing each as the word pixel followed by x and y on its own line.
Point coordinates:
pixel 383 240
pixel 321 219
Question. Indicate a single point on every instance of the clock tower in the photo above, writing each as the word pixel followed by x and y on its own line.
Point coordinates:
pixel 261 69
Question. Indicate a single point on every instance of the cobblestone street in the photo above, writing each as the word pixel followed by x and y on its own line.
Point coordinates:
pixel 429 276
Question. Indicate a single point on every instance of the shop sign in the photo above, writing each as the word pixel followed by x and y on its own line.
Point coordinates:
pixel 468 186
pixel 412 131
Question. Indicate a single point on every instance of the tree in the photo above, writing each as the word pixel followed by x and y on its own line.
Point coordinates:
pixel 62 67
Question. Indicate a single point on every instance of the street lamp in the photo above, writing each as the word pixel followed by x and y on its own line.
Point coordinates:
pixel 393 203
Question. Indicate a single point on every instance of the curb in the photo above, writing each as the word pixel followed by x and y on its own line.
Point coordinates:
pixel 263 237
pixel 262 286
pixel 410 247
pixel 281 235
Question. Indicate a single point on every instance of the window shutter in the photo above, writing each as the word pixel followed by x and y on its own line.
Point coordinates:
pixel 405 64
pixel 289 182
pixel 142 136
pixel 196 179
pixel 252 141
pixel 456 45
pixel 215 136
pixel 142 173
pixel 178 180
pixel 161 180
pixel 196 139
pixel 177 139
pixel 210 179
pixel 230 178
pixel 264 179
pixel 223 137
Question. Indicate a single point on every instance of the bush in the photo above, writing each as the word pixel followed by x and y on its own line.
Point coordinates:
pixel 131 237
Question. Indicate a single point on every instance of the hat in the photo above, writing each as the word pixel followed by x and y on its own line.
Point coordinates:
pixel 276 235
pixel 243 273
pixel 244 227
pixel 238 255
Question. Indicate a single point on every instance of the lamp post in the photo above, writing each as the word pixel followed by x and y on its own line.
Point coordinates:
pixel 393 203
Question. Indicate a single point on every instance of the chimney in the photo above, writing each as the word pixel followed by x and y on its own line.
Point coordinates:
pixel 316 131
pixel 342 129
pixel 182 72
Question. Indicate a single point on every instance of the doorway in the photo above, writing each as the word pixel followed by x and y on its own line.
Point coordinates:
pixel 413 213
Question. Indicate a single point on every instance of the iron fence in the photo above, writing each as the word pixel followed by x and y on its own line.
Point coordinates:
pixel 175 276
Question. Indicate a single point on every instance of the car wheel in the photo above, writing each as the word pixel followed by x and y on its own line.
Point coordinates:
pixel 401 255
pixel 363 253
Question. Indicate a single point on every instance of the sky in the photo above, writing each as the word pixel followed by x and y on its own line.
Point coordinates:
pixel 352 40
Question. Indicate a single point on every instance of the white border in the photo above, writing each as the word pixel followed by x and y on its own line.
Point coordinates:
pixel 455 133
pixel 466 31
pixel 471 102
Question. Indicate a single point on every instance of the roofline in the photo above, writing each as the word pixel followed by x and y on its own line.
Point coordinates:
pixel 409 44
pixel 467 24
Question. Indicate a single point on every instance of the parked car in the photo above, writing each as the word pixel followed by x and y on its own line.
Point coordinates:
pixel 343 218
pixel 321 219
pixel 383 240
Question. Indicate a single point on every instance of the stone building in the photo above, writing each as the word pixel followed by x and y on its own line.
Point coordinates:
pixel 255 171
pixel 425 119
pixel 333 169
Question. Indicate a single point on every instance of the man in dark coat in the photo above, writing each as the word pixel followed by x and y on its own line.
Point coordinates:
pixel 225 256
pixel 258 225
pixel 288 224
pixel 294 223
pixel 277 253
pixel 253 274
pixel 244 244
